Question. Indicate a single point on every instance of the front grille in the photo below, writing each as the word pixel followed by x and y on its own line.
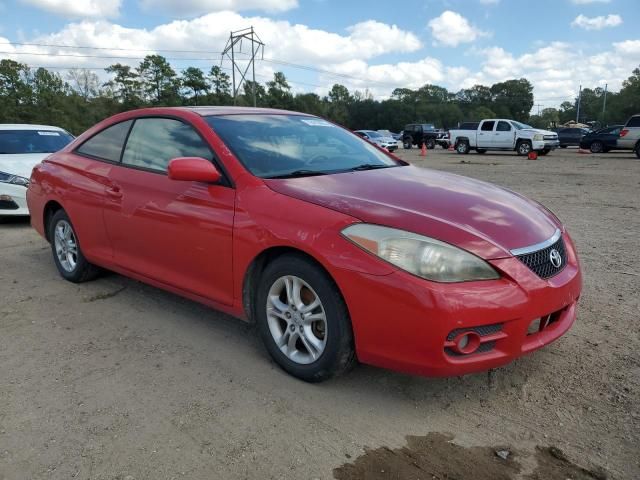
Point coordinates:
pixel 550 137
pixel 540 261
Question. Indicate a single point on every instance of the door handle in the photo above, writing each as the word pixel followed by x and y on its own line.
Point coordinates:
pixel 114 191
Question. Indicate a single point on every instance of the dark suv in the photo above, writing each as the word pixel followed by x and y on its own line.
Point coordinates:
pixel 419 133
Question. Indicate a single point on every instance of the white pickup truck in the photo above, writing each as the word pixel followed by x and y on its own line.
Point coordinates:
pixel 504 134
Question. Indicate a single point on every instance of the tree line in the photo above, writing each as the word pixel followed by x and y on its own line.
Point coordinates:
pixel 79 99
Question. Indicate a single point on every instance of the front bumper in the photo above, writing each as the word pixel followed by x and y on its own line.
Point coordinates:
pixel 13 200
pixel 546 144
pixel 407 324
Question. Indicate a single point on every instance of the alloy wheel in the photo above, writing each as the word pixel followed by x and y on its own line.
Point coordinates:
pixel 296 319
pixel 66 246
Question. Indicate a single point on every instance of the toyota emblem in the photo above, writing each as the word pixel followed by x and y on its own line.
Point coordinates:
pixel 555 258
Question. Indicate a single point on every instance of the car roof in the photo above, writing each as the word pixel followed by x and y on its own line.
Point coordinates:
pixel 207 111
pixel 26 126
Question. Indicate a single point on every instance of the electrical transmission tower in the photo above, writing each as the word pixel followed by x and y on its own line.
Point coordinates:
pixel 234 48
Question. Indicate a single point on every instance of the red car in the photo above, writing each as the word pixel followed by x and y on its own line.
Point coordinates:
pixel 336 249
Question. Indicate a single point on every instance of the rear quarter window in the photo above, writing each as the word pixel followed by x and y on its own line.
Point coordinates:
pixel 106 144
pixel 633 122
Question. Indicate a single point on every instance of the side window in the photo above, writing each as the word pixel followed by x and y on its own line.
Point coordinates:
pixel 503 127
pixel 487 126
pixel 108 143
pixel 615 131
pixel 153 142
pixel 634 122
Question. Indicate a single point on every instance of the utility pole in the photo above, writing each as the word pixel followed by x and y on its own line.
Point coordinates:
pixel 257 47
pixel 578 109
pixel 604 105
pixel 538 105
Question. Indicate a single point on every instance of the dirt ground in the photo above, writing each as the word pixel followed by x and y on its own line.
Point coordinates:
pixel 114 379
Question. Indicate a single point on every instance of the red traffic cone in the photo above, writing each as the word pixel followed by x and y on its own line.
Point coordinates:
pixel 423 152
pixel 532 155
pixel 451 149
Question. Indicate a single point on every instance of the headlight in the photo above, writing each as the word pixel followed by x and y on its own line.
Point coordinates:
pixel 13 179
pixel 422 256
pixel 538 137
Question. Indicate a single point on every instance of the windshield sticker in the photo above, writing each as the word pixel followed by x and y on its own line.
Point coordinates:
pixel 316 122
pixel 49 134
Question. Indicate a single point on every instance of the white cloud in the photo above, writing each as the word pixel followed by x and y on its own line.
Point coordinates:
pixel 596 23
pixel 452 29
pixel 184 8
pixel 79 8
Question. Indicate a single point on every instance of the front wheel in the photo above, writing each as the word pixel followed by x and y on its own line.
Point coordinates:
pixel 524 147
pixel 67 254
pixel 303 320
pixel 431 143
pixel 406 144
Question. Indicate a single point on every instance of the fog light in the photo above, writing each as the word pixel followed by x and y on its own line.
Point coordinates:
pixel 6 198
pixel 466 342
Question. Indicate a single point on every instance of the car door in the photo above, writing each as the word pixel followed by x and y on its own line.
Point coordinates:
pixel 610 136
pixel 485 134
pixel 175 232
pixel 504 136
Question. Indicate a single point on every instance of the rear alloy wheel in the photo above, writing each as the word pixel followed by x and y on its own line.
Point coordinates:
pixel 67 255
pixel 462 147
pixel 303 320
pixel 524 147
pixel 597 147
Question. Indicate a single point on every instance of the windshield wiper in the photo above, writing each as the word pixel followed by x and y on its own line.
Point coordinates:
pixel 299 173
pixel 367 166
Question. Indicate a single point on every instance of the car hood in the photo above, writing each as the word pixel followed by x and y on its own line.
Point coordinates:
pixel 540 131
pixel 477 216
pixel 20 164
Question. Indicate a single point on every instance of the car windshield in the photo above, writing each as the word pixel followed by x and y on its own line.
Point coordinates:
pixel 428 126
pixel 520 126
pixel 32 141
pixel 385 132
pixel 278 146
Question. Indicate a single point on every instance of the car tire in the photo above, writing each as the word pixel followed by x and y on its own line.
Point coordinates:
pixel 563 146
pixel 523 147
pixel 597 147
pixel 462 147
pixel 637 150
pixel 67 254
pixel 481 151
pixel 312 351
pixel 431 143
pixel 406 144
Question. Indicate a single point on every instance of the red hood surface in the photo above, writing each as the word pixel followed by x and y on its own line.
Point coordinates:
pixel 477 216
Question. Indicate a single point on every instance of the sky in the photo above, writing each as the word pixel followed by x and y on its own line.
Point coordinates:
pixel 372 45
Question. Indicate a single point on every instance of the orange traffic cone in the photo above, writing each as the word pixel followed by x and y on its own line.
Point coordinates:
pixel 533 155
pixel 451 149
pixel 423 152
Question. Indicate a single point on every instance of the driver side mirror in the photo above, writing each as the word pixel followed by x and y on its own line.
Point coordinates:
pixel 193 169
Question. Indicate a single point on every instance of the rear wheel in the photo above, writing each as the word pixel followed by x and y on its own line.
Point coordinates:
pixel 431 143
pixel 523 147
pixel 303 320
pixel 67 254
pixel 597 147
pixel 407 144
pixel 462 147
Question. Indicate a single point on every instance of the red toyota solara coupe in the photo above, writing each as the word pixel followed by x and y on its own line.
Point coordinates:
pixel 336 249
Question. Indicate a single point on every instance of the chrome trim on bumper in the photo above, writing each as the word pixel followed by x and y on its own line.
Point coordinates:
pixel 538 246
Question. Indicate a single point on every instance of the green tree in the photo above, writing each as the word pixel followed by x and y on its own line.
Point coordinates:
pixel 279 92
pixel 160 82
pixel 513 99
pixel 194 80
pixel 220 86
pixel 339 102
pixel 125 85
pixel 15 90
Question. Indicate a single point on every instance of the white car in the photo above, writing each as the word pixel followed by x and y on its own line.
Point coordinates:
pixel 21 148
pixel 504 134
pixel 379 139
